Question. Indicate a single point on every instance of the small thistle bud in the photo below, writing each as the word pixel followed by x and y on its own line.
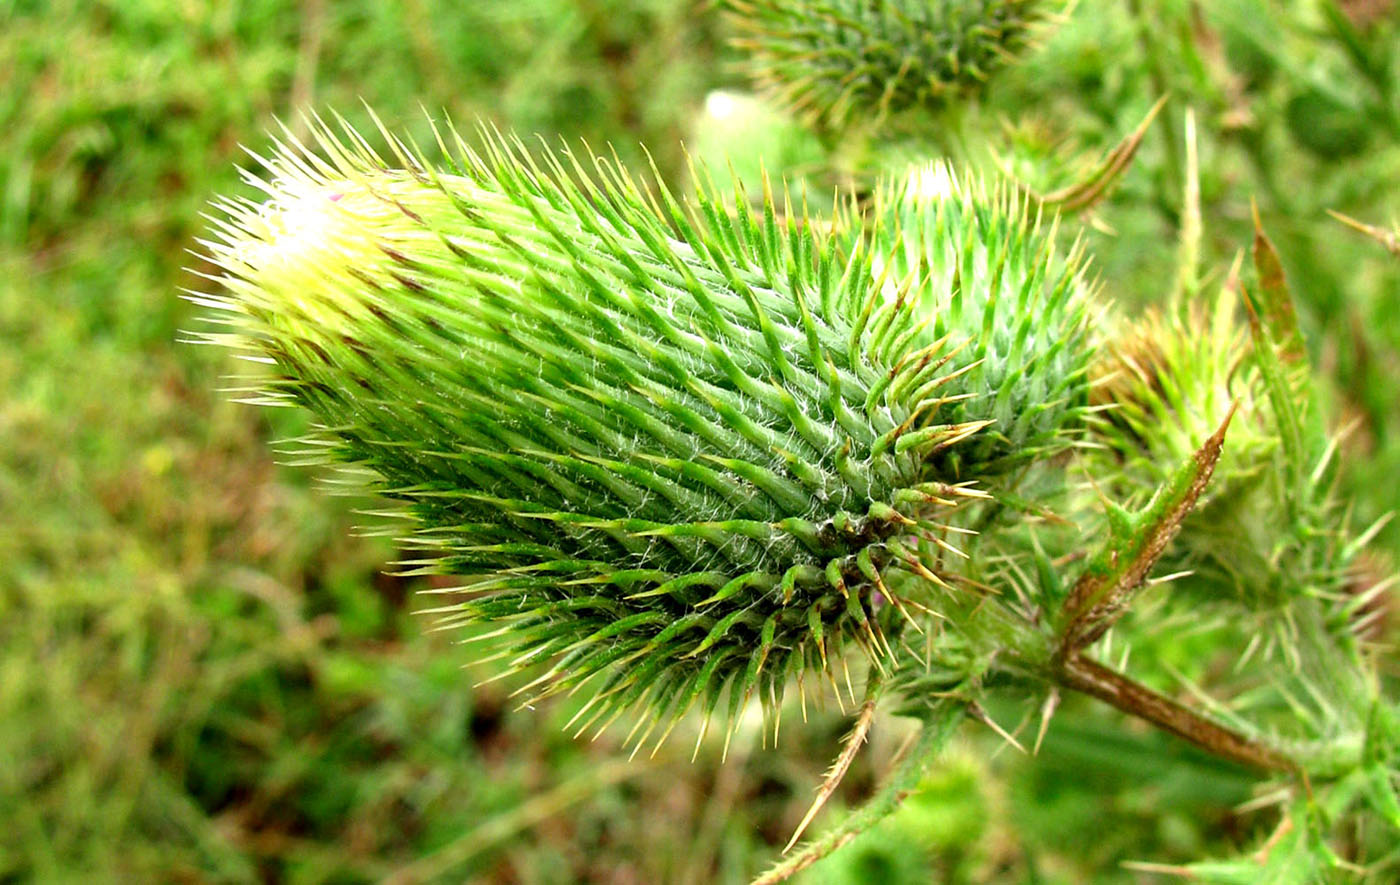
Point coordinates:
pixel 670 452
pixel 1161 385
pixel 1166 379
pixel 830 61
pixel 984 269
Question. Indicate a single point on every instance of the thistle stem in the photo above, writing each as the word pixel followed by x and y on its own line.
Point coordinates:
pixel 1094 679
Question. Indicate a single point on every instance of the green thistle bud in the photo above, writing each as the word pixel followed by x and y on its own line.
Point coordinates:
pixel 673 453
pixel 1167 380
pixel 829 61
pixel 984 268
pixel 1164 382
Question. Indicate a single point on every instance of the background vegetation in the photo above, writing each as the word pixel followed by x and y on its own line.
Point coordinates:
pixel 206 675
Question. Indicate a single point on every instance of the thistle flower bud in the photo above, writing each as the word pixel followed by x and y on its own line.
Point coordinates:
pixel 985 268
pixel 832 60
pixel 677 454
pixel 1162 383
pixel 1166 380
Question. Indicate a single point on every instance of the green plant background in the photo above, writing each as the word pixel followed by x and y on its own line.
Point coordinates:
pixel 205 673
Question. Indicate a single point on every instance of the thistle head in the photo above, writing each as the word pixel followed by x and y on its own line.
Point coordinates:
pixel 834 62
pixel 1167 378
pixel 1163 381
pixel 985 268
pixel 677 454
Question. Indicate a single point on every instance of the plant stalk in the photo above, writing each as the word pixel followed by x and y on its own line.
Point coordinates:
pixel 1092 678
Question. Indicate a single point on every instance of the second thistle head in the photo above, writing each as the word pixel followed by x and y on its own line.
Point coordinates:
pixel 840 62
pixel 984 266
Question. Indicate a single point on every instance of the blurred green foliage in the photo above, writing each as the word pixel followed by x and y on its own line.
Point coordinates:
pixel 204 673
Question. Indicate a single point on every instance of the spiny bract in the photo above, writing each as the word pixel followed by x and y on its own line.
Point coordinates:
pixel 834 61
pixel 978 261
pixel 675 452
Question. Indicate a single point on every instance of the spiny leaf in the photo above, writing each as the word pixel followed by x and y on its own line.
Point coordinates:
pixel 1100 181
pixel 1282 391
pixel 1275 306
pixel 1100 596
pixel 850 746
pixel 934 733
pixel 1390 239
